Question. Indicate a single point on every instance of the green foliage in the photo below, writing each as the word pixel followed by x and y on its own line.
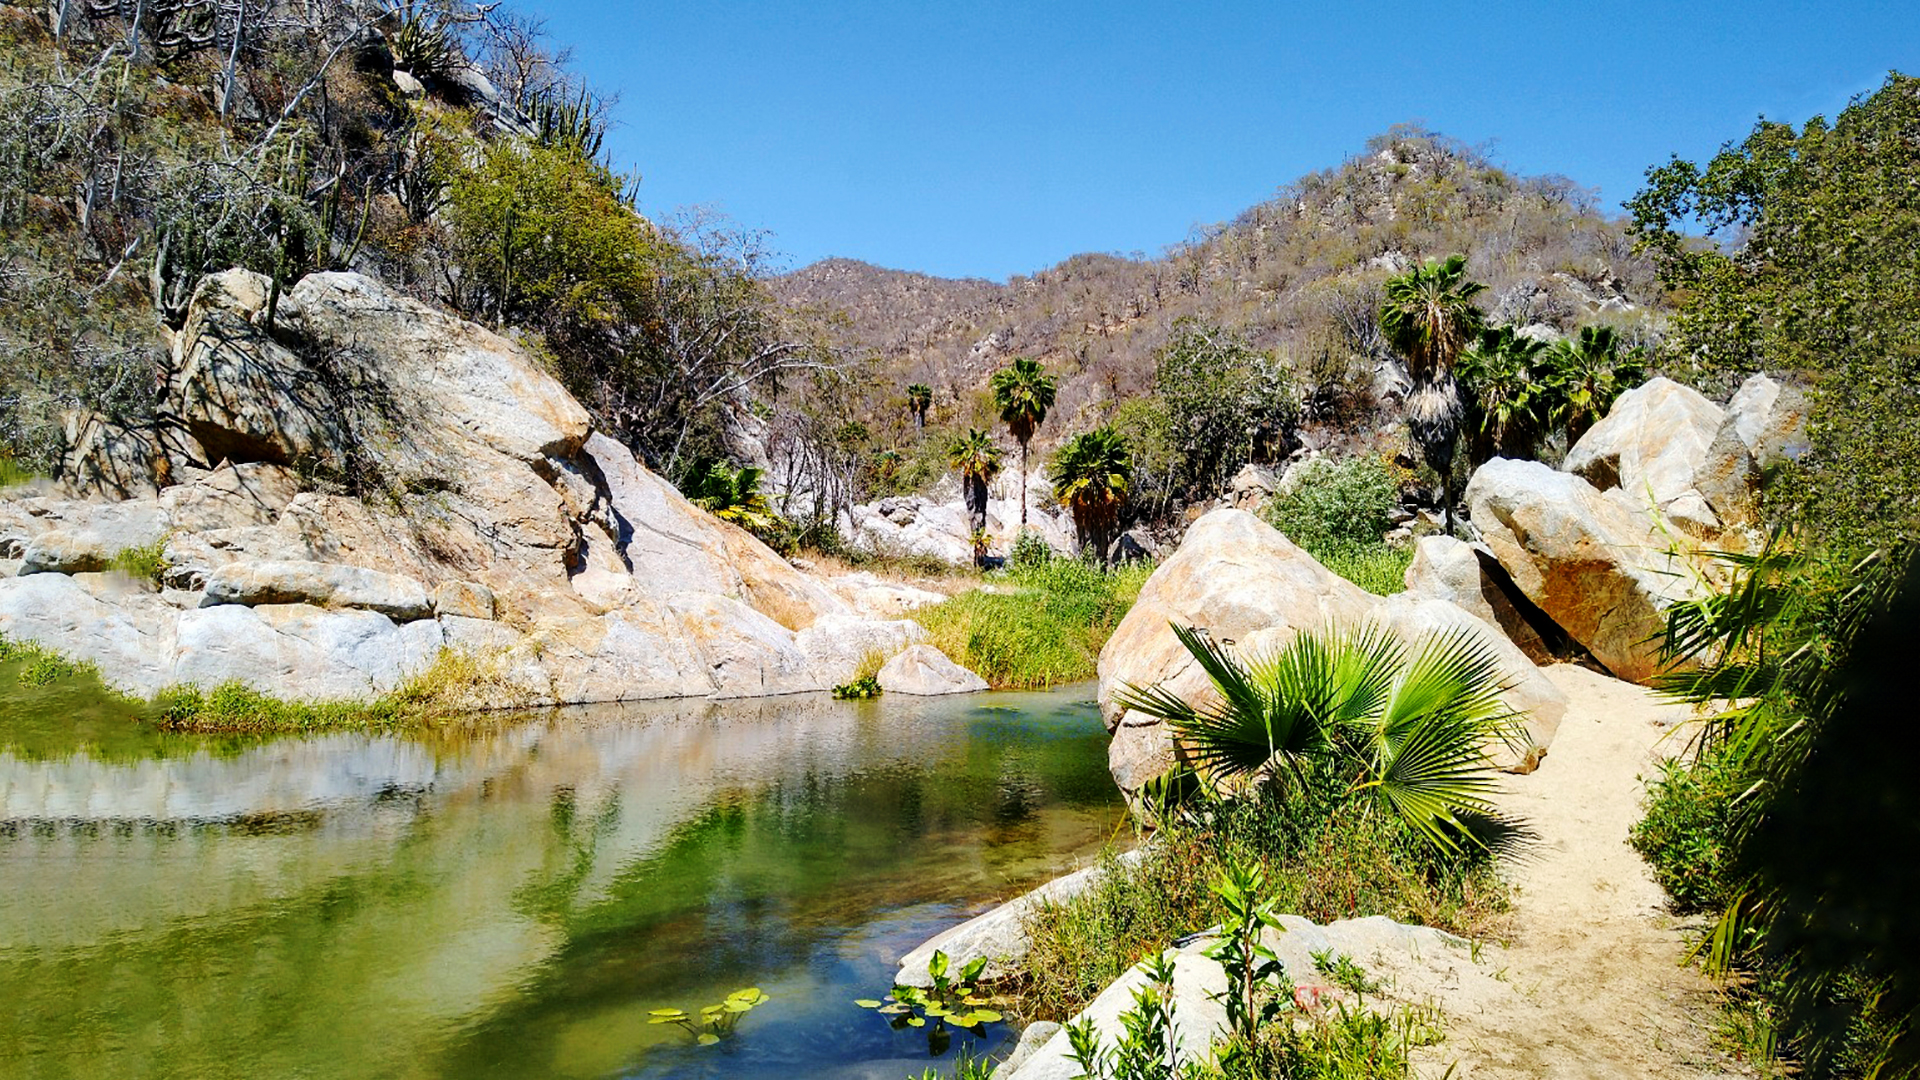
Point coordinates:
pixel 1585 374
pixel 1321 860
pixel 32 664
pixel 1249 965
pixel 1029 551
pixel 1685 833
pixel 544 238
pixel 919 400
pixel 733 495
pixel 1048 629
pixel 955 999
pixel 1504 375
pixel 1147 1048
pixel 1023 392
pixel 1091 476
pixel 12 473
pixel 1380 569
pixel 1342 1044
pixel 456 682
pixel 1816 277
pixel 1353 712
pixel 1226 404
pixel 1798 793
pixel 1337 504
pixel 716 1021
pixel 1147 425
pixel 1344 973
pixel 1428 316
pixel 147 562
pixel 860 688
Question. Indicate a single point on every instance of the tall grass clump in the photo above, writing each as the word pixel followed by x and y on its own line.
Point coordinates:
pixel 1338 513
pixel 455 683
pixel 1040 622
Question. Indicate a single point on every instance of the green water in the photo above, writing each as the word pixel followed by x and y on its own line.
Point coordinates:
pixel 511 901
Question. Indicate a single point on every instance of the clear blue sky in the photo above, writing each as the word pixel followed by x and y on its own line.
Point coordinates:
pixel 986 138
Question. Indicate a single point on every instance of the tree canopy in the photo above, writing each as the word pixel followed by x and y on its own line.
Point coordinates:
pixel 1814 272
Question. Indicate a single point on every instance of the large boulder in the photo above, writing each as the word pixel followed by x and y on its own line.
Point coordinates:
pixel 302 651
pixel 839 645
pixel 1252 589
pixel 1651 446
pixel 1446 568
pixel 925 671
pixel 1764 427
pixel 1596 563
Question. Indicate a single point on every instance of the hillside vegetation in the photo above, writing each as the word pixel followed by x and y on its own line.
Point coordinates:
pixel 1298 278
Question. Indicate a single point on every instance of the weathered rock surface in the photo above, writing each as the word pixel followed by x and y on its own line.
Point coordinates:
pixel 1000 935
pixel 1651 445
pixel 1765 426
pixel 470 505
pixel 1445 568
pixel 937 526
pixel 925 671
pixel 1595 562
pixel 1249 586
pixel 319 584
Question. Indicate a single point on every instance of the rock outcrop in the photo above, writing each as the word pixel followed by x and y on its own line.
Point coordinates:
pixel 924 671
pixel 936 525
pixel 1445 568
pixel 1250 587
pixel 1597 563
pixel 367 481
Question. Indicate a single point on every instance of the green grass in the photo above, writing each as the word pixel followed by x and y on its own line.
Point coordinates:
pixel 147 562
pixel 12 473
pixel 1340 1044
pixel 1040 625
pixel 1325 858
pixel 1378 568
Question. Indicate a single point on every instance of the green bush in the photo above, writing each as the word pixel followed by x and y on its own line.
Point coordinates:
pixel 1338 514
pixel 1685 833
pixel 1338 504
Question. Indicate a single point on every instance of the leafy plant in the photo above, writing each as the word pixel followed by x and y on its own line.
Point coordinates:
pixel 1337 504
pixel 1091 474
pixel 1350 710
pixel 1147 1048
pixel 1504 376
pixel 1343 972
pixel 714 1022
pixel 859 688
pixel 733 496
pixel 919 400
pixel 978 460
pixel 955 999
pixel 1023 392
pixel 1586 374
pixel 1226 404
pixel 1249 965
pixel 147 562
pixel 1428 318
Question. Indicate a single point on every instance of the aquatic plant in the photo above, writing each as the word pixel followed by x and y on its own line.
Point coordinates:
pixel 714 1022
pixel 957 1000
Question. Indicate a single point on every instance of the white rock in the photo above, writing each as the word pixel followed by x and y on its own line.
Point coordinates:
pixel 320 584
pixel 925 671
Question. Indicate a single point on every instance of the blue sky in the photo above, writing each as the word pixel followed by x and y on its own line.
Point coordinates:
pixel 990 139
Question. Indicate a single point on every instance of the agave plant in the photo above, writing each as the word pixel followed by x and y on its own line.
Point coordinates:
pixel 1351 709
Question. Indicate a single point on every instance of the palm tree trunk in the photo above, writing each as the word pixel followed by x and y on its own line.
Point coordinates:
pixel 1023 488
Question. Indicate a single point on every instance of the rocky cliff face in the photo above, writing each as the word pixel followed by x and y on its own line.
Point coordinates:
pixel 345 490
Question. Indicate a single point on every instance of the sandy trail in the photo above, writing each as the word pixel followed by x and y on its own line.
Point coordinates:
pixel 1593 956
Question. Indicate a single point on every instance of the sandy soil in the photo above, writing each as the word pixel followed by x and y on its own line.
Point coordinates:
pixel 1593 957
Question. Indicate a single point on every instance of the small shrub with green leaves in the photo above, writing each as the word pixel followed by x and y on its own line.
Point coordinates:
pixel 1340 969
pixel 714 1022
pixel 859 689
pixel 1147 1048
pixel 1338 504
pixel 953 1001
pixel 147 562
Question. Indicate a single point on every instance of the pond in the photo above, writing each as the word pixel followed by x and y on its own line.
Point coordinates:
pixel 512 900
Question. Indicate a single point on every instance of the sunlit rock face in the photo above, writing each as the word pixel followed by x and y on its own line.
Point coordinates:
pixel 339 493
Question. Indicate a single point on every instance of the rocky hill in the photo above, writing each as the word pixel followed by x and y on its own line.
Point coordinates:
pixel 1299 274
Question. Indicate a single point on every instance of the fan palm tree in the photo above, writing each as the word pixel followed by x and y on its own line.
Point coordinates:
pixel 1502 373
pixel 1350 709
pixel 919 400
pixel 978 460
pixel 1428 317
pixel 1587 374
pixel 1023 392
pixel 1091 474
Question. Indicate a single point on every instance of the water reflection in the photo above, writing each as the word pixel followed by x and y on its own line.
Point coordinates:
pixel 512 901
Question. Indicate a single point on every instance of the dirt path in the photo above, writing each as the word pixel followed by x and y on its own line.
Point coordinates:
pixel 1593 955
